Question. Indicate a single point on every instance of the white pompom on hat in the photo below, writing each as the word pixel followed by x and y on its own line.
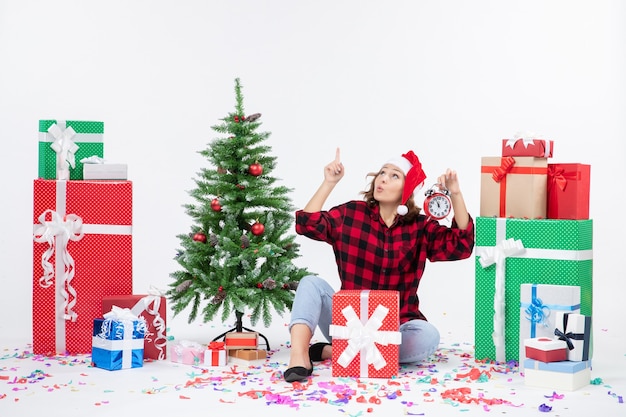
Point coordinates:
pixel 411 166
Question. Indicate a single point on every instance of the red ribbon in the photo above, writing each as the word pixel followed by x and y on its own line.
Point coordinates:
pixel 216 345
pixel 505 167
pixel 499 173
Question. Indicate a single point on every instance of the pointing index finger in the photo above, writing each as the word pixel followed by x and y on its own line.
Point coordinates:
pixel 337 156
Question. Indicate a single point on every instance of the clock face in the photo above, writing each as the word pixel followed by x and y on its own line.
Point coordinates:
pixel 438 206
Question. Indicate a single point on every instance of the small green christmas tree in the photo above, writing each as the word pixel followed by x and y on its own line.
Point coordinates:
pixel 239 254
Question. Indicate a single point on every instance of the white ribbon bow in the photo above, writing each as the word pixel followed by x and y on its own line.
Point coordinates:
pixel 497 256
pixel 64 147
pixel 363 337
pixel 57 233
pixel 527 138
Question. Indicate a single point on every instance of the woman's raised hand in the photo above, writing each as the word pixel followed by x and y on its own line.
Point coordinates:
pixel 333 172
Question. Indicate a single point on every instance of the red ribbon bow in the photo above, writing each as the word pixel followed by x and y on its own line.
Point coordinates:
pixel 216 345
pixel 557 176
pixel 505 166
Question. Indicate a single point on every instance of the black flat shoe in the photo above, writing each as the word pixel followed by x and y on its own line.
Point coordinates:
pixel 298 373
pixel 315 351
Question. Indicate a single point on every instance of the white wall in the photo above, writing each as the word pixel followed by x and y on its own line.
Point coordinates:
pixel 448 79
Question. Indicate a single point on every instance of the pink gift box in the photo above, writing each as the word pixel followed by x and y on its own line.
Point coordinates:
pixel 373 315
pixel 188 353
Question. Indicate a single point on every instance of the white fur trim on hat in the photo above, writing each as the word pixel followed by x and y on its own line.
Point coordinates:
pixel 401 162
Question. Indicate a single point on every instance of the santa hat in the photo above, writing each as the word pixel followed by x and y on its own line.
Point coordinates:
pixel 411 166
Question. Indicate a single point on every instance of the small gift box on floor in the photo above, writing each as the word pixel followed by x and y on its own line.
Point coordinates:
pixel 546 349
pixel 365 331
pixel 564 375
pixel 188 352
pixel 215 354
pixel 575 330
pixel 241 340
pixel 248 354
pixel 118 340
pixel 152 308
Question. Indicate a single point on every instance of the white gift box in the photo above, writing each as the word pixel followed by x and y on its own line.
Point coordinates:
pixel 564 375
pixel 574 329
pixel 105 171
pixel 539 304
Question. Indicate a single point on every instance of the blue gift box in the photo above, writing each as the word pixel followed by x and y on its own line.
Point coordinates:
pixel 118 344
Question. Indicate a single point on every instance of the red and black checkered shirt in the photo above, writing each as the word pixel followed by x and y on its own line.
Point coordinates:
pixel 372 256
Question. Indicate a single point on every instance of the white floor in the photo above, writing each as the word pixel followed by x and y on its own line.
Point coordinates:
pixel 69 386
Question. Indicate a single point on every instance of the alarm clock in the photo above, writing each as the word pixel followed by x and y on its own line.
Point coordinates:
pixel 437 204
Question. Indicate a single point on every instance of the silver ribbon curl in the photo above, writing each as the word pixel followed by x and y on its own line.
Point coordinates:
pixel 57 232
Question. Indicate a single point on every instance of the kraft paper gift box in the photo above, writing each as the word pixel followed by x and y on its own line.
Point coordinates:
pixel 539 306
pixel 564 375
pixel 365 333
pixel 117 341
pixel 545 349
pixel 105 171
pixel 538 148
pixel 67 142
pixel 513 187
pixel 575 330
pixel 187 352
pixel 215 354
pixel 152 308
pixel 512 252
pixel 82 252
pixel 568 191
pixel 248 354
pixel 241 340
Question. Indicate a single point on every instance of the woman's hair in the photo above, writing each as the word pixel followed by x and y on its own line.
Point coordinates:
pixel 368 196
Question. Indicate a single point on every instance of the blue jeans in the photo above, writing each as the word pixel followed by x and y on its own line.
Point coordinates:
pixel 312 306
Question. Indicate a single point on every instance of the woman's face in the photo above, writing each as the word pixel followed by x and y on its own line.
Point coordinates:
pixel 388 184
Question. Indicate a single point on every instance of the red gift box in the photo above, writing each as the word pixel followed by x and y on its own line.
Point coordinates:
pixel 241 340
pixel 545 349
pixel 82 252
pixel 513 187
pixel 539 148
pixel 152 309
pixel 365 332
pixel 568 191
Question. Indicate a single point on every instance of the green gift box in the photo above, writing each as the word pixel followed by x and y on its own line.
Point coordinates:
pixel 88 140
pixel 511 252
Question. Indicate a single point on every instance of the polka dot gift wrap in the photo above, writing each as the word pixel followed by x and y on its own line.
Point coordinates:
pixel 365 331
pixel 554 252
pixel 82 252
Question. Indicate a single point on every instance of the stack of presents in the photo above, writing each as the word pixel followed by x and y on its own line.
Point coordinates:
pixel 533 277
pixel 533 266
pixel 83 299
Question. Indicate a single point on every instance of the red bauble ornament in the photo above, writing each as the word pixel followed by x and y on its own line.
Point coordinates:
pixel 200 237
pixel 215 205
pixel 236 119
pixel 259 285
pixel 257 229
pixel 241 187
pixel 255 169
